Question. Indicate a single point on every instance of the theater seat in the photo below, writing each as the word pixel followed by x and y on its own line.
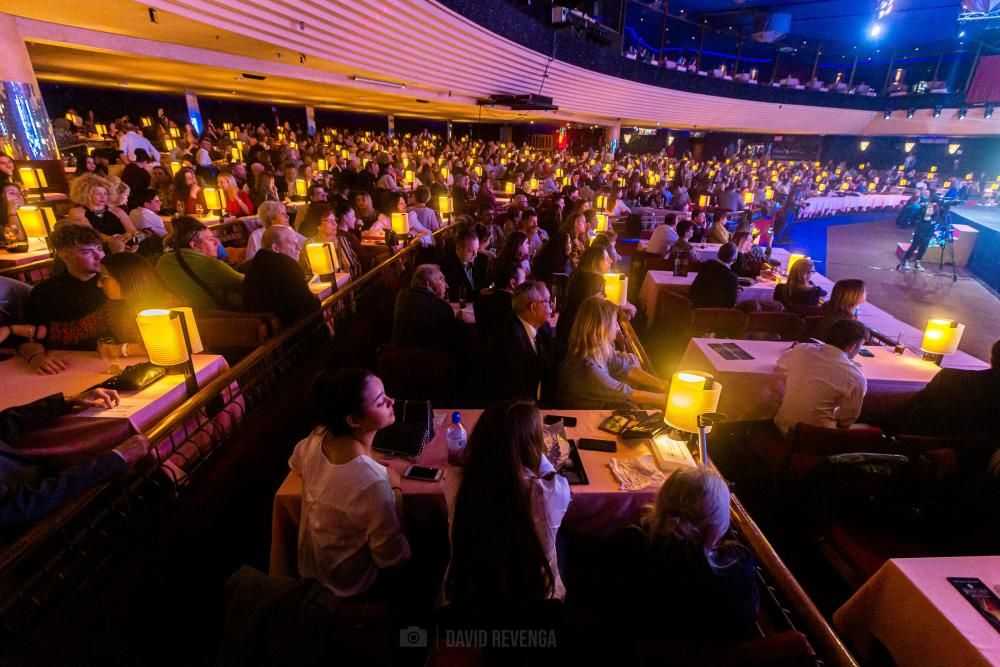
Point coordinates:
pixel 775 326
pixel 806 446
pixel 804 311
pixel 417 374
pixel 720 322
pixel 233 332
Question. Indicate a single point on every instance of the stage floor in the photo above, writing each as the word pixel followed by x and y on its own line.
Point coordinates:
pixel 986 216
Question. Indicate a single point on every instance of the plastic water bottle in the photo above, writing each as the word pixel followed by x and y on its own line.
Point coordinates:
pixel 455 438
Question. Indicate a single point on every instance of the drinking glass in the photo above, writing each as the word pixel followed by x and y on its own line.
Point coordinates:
pixel 109 351
pixel 461 297
pixel 199 210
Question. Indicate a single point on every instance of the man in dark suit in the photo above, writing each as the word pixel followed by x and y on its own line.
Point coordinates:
pixel 716 285
pixel 523 352
pixel 956 402
pixel 493 308
pixel 275 282
pixel 463 267
pixel 422 318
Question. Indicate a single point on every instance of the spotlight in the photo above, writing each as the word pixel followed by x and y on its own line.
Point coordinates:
pixel 937 111
pixel 887 114
pixel 910 112
pixel 988 111
pixel 875 30
pixel 962 113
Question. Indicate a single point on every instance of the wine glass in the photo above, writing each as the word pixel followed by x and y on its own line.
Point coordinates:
pixel 110 351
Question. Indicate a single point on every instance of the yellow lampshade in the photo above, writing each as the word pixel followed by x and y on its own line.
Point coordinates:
pixel 933 169
pixel 300 187
pixel 215 200
pixel 942 336
pixel 747 197
pixel 169 144
pixel 602 222
pixel 478 170
pixel 508 187
pixel 871 187
pixel 953 148
pixel 903 181
pixel 444 205
pixel 32 219
pixel 345 154
pixel 29 178
pixel 232 134
pixel 616 288
pixel 101 129
pixel 408 176
pixel 444 173
pixel 844 186
pixel 691 394
pixel 163 337
pixel 174 132
pixel 792 259
pixel 968 177
pixel 322 258
pixel 235 153
pixel 533 184
pixel 703 201
pixel 192 326
pixel 559 172
pixel 175 167
pixel 946 184
pixel 821 187
pixel 401 223
pixel 321 164
pixel 769 193
pixel 566 180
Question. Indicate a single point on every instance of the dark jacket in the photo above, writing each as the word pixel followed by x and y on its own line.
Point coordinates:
pixel 423 320
pixel 492 311
pixel 810 297
pixel 63 298
pixel 715 286
pixel 454 274
pixel 276 284
pixel 517 368
pixel 956 402
pixel 30 489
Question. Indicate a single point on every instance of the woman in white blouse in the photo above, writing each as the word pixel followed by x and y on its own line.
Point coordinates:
pixel 505 510
pixel 351 526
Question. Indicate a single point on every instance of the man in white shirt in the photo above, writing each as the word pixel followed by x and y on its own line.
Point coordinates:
pixel 146 216
pixel 823 386
pixel 204 156
pixel 663 237
pixel 132 140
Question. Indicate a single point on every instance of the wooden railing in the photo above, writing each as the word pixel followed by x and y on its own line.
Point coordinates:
pixel 828 645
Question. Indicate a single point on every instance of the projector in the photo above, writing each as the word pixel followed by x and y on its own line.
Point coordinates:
pixel 528 102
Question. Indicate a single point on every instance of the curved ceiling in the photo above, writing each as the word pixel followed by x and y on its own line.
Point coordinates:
pixel 435 53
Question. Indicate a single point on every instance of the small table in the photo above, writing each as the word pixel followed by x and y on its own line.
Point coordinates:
pixel 752 389
pixel 657 281
pixel 322 290
pixel 598 508
pixel 709 251
pixel 911 608
pixel 12 259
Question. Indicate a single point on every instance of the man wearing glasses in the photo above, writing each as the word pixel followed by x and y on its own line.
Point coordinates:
pixel 146 216
pixel 524 350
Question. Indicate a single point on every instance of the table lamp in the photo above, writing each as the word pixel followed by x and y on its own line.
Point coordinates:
pixel 559 172
pixel 33 179
pixel 941 337
pixel 769 193
pixel 533 184
pixel 345 154
pixel 444 206
pixel 215 200
pixel 792 259
pixel 508 188
pixel 36 221
pixel 703 201
pixel 300 188
pixel 171 339
pixel 747 197
pixel 323 260
pixel 234 152
pixel 409 178
pixel 602 203
pixel 401 223
pixel 169 144
pixel 616 288
pixel 321 164
pixel 175 167
pixel 693 395
pixel 444 173
pixel 602 222
pixel 175 132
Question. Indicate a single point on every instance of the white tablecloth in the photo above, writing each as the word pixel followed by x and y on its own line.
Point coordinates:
pixel 751 389
pixel 837 204
pixel 656 281
pixel 709 251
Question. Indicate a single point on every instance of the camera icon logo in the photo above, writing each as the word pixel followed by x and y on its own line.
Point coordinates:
pixel 413 637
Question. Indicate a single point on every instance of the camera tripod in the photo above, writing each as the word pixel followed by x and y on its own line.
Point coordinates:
pixel 946 232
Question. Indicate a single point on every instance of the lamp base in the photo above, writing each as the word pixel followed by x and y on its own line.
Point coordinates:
pixel 671 450
pixel 933 358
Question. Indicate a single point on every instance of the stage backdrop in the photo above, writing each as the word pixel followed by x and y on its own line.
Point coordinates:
pixel 985 85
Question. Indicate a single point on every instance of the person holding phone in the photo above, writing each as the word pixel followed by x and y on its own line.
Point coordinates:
pixel 351 530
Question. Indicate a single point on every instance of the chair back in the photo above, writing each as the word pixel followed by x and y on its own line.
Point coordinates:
pixel 812 324
pixel 720 322
pixel 780 326
pixel 673 310
pixel 804 311
pixel 809 445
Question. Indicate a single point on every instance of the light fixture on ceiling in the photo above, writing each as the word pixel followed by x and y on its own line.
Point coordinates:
pixel 953 148
pixel 379 82
pixel 863 145
pixel 875 30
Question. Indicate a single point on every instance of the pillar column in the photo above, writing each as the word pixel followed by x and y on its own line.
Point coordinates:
pixel 391 119
pixel 27 132
pixel 613 135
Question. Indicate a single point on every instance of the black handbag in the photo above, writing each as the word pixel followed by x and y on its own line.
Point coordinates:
pixel 410 433
pixel 134 377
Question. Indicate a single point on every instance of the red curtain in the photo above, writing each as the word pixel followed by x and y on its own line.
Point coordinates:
pixel 985 85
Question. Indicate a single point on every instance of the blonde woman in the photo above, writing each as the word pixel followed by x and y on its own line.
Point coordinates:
pixel 800 290
pixel 594 374
pixel 711 592
pixel 94 197
pixel 238 203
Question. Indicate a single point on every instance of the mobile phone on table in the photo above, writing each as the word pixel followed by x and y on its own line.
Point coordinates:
pixel 423 473
pixel 596 445
pixel 568 422
pixel 865 353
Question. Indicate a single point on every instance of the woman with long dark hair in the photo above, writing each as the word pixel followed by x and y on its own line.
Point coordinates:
pixel 506 513
pixel 554 257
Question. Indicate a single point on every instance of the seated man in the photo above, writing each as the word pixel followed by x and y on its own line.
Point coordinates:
pixel 716 285
pixel 493 308
pixel 146 214
pixel 31 488
pixel 422 318
pixel 524 350
pixel 956 402
pixel 464 268
pixel 823 387
pixel 270 213
pixel 663 237
pixel 194 272
pixel 275 282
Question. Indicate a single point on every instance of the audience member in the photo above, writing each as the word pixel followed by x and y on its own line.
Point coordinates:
pixel 270 213
pixel 493 307
pixel 195 273
pixel 581 286
pixel 463 267
pixel 823 387
pixel 844 304
pixel 188 195
pixel 275 282
pixel 145 215
pixel 523 351
pixel 716 285
pixel 238 203
pixel 664 236
pixel 92 194
pixel 422 318
pixel 351 527
pixel 685 230
pixel 594 375
pixel 799 290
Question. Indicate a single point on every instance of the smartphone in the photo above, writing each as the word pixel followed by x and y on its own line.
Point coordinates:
pixel 568 422
pixel 424 473
pixel 865 353
pixel 595 445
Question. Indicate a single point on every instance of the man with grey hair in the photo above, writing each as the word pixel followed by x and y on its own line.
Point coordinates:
pixel 275 282
pixel 524 350
pixel 422 319
pixel 270 213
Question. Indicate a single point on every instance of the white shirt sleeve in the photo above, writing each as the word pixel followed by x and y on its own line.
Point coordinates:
pixel 253 243
pixel 850 409
pixel 378 511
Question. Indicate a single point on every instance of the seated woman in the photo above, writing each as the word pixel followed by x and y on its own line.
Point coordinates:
pixel 594 375
pixel 697 586
pixel 505 508
pixel 750 260
pixel 685 230
pixel 799 290
pixel 131 285
pixel 92 194
pixel 351 530
pixel 188 196
pixel 844 304
pixel 554 257
pixel 516 250
pixel 195 273
pixel 238 203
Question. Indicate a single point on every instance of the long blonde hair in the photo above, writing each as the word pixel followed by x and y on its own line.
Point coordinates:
pixel 592 335
pixel 847 295
pixel 798 276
